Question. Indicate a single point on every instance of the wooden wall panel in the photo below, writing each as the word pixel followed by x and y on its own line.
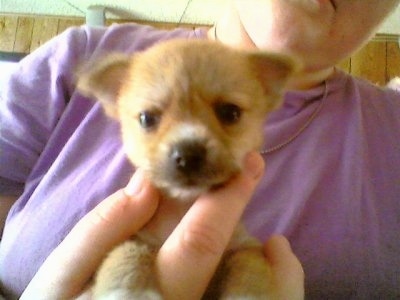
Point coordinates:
pixel 23 36
pixel 166 26
pixel 378 61
pixel 8 29
pixel 63 24
pixel 370 62
pixel 43 30
pixel 392 60
pixel 160 25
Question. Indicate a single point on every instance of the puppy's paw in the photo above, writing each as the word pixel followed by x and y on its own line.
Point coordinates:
pixel 128 294
pixel 246 275
pixel 127 273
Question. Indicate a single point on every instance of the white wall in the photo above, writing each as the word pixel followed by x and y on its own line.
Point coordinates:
pixel 185 11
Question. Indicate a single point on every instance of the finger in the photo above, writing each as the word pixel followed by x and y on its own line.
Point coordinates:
pixel 71 265
pixel 287 272
pixel 195 247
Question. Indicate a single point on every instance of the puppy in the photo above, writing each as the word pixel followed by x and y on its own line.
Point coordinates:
pixel 189 112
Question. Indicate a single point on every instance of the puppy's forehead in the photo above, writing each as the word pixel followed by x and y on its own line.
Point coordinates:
pixel 179 69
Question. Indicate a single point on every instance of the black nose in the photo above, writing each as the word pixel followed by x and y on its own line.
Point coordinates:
pixel 188 157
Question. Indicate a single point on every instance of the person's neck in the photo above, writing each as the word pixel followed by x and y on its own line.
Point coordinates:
pixel 304 80
pixel 230 31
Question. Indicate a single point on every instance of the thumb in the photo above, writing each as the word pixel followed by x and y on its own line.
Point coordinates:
pixel 195 247
pixel 72 264
pixel 286 269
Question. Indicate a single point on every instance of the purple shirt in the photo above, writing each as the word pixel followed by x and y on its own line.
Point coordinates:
pixel 334 191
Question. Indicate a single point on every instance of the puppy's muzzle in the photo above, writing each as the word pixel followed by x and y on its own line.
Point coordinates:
pixel 187 159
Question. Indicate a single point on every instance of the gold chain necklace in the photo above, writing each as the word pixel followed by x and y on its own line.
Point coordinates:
pixel 302 128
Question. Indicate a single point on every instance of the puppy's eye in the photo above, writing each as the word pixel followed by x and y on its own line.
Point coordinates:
pixel 149 120
pixel 228 113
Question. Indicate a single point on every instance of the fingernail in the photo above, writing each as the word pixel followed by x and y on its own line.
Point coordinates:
pixel 135 185
pixel 254 164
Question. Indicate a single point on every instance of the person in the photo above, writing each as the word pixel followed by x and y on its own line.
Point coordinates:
pixel 331 184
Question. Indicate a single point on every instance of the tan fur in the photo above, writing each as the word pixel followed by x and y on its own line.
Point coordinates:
pixel 184 83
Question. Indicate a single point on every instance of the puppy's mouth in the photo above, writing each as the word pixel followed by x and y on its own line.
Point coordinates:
pixel 202 180
pixel 188 190
pixel 184 186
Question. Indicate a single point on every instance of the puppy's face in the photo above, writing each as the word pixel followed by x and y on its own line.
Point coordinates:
pixel 189 110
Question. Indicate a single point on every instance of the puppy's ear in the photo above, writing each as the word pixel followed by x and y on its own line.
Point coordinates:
pixel 102 79
pixel 273 71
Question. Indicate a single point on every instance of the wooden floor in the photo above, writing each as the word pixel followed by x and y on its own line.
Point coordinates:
pixel 378 61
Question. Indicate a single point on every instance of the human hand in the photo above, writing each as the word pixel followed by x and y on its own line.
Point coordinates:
pixel 287 272
pixel 69 269
pixel 199 239
pixel 197 244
